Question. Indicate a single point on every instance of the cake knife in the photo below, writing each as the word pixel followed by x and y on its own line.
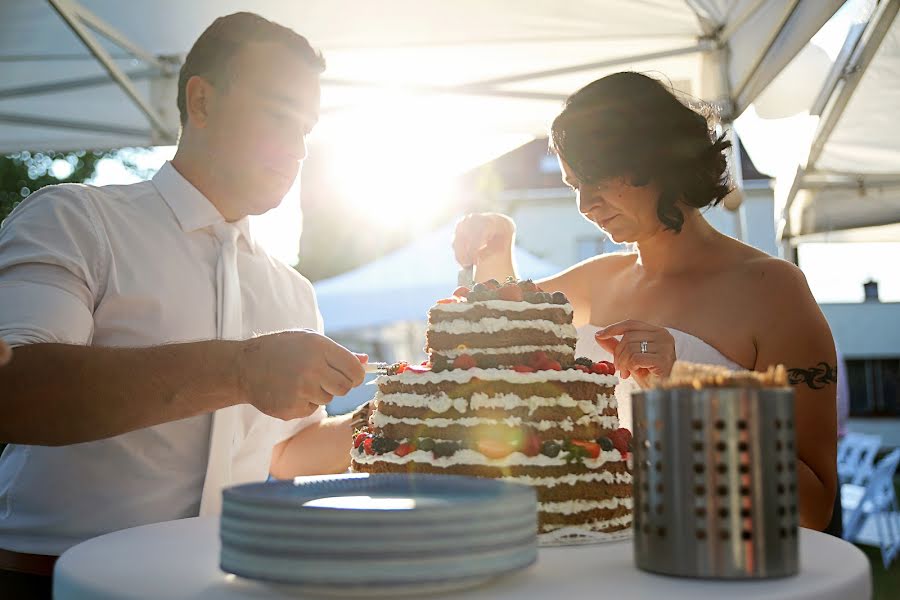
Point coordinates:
pixel 379 368
pixel 466 276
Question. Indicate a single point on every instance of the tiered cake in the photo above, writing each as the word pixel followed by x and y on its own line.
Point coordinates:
pixel 504 396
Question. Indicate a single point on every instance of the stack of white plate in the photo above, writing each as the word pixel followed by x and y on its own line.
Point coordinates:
pixel 380 534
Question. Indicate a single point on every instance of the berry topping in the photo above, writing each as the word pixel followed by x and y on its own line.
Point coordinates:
pixel 584 361
pixel 383 445
pixel 583 368
pixel 606 444
pixel 601 368
pixel 419 368
pixel 537 359
pixel 532 297
pixel 511 292
pixel 359 439
pixel 448 301
pixel 404 449
pixel 531 446
pixel 528 286
pixel 523 369
pixel 552 365
pixel 445 449
pixel 494 448
pixel 426 444
pixel 461 292
pixel 620 438
pixel 463 361
pixel 480 287
pixel 492 284
pixel 559 298
pixel 367 446
pixel 592 449
pixel 550 449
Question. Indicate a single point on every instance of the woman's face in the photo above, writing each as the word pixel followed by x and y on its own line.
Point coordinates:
pixel 626 213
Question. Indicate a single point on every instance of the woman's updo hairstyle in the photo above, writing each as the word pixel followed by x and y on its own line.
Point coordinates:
pixel 630 125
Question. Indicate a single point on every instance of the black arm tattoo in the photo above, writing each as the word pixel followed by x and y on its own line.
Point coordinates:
pixel 816 377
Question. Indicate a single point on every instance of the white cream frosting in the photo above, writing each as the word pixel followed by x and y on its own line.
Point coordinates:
pixel 441 403
pixel 471 457
pixel 507 375
pixel 573 478
pixel 570 507
pixel 561 348
pixel 498 324
pixel 508 305
pixel 380 419
pixel 595 525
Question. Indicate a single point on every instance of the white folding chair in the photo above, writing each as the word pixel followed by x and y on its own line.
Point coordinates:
pixel 856 457
pixel 878 500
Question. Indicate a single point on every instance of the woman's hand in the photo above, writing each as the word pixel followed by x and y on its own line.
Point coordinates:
pixel 643 351
pixel 481 236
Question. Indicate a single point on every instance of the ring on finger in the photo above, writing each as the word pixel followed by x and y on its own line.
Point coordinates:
pixel 644 347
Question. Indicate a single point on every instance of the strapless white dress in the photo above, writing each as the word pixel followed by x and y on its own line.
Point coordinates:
pixel 687 347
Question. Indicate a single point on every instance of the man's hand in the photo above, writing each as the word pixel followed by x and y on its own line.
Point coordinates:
pixel 5 353
pixel 290 374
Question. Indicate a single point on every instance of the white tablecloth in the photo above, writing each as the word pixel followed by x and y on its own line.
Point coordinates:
pixel 179 559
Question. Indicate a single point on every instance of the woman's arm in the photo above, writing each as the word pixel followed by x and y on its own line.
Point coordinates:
pixel 793 331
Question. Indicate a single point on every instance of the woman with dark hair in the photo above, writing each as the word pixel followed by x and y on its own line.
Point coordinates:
pixel 643 165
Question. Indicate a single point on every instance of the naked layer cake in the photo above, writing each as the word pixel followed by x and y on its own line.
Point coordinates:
pixel 503 396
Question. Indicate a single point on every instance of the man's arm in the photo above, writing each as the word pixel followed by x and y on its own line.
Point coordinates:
pixel 58 394
pixel 319 449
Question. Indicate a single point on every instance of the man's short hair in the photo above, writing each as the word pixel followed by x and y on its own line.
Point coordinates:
pixel 210 55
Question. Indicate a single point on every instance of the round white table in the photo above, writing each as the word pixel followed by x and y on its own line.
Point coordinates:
pixel 179 559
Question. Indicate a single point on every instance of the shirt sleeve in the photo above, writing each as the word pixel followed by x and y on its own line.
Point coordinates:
pixel 290 428
pixel 52 268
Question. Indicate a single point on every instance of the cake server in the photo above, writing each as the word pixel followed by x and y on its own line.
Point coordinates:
pixel 466 276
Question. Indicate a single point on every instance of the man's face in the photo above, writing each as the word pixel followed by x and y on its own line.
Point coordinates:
pixel 258 124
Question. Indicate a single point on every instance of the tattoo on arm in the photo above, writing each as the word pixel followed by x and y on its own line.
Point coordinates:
pixel 815 377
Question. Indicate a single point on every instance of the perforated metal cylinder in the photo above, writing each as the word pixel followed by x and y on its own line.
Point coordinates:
pixel 715 482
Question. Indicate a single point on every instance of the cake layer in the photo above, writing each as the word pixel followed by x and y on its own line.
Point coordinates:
pixel 528 409
pixel 588 427
pixel 471 462
pixel 604 520
pixel 491 358
pixel 525 311
pixel 479 403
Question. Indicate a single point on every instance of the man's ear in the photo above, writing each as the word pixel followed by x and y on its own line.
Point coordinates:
pixel 199 95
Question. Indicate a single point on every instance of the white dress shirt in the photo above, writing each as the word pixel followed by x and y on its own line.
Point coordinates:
pixel 130 266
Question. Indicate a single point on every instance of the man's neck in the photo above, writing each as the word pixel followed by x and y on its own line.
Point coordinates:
pixel 198 174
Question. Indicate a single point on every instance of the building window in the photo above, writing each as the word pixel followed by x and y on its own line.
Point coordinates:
pixel 874 387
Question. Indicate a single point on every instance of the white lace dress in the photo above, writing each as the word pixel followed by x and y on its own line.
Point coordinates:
pixel 687 347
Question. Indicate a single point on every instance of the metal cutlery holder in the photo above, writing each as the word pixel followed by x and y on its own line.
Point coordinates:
pixel 715 491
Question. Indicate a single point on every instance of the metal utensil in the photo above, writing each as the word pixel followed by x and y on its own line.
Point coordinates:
pixel 715 487
pixel 466 276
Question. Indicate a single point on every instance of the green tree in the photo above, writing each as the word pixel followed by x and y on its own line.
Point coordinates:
pixel 24 172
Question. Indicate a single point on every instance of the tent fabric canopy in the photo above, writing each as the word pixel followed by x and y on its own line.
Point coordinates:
pixel 58 58
pixel 402 285
pixel 851 178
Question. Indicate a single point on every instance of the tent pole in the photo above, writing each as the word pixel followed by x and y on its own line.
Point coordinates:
pixel 68 10
pixel 72 84
pixel 833 108
pixel 739 89
pixel 852 76
pixel 92 127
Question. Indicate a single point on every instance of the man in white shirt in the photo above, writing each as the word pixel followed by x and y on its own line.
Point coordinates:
pixel 153 362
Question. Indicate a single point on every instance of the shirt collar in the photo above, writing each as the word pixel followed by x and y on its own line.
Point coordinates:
pixel 192 209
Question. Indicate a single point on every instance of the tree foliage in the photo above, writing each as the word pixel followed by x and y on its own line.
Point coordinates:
pixel 25 172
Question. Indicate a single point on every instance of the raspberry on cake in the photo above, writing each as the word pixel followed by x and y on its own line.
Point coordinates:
pixel 506 398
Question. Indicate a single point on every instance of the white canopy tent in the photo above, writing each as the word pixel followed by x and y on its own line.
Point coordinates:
pixel 101 73
pixel 402 285
pixel 851 177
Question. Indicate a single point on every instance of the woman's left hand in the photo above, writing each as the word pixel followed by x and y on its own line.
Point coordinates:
pixel 643 351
